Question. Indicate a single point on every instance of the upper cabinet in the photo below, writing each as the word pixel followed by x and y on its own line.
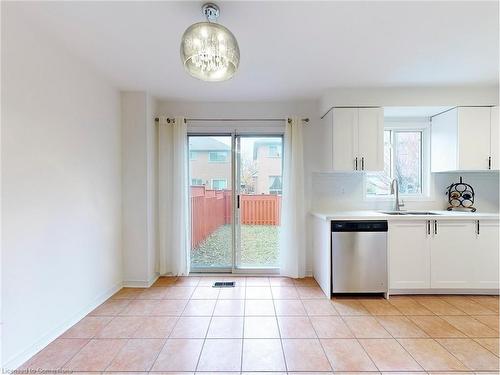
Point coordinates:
pixel 465 138
pixel 354 139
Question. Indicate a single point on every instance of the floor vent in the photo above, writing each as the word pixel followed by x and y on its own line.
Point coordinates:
pixel 224 284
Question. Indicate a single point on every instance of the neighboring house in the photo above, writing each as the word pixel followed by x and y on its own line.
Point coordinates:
pixel 267 155
pixel 209 163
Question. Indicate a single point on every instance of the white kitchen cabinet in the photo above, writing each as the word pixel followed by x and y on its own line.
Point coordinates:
pixel 409 254
pixel 447 254
pixel 484 274
pixel 370 136
pixel 357 138
pixel 452 253
pixel 461 139
pixel 495 134
pixel 344 139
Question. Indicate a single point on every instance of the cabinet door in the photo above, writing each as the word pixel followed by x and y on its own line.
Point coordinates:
pixel 495 133
pixel 444 140
pixel 474 137
pixel 409 255
pixel 370 136
pixel 344 126
pixel 452 253
pixel 485 251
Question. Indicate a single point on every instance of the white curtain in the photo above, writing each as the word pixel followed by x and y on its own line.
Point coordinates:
pixel 292 231
pixel 173 197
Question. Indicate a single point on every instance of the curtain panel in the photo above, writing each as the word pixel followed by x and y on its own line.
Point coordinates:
pixel 173 197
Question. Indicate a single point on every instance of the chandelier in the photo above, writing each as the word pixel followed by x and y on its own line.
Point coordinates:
pixel 209 51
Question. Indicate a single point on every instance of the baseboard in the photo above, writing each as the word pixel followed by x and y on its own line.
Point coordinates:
pixel 490 292
pixel 20 358
pixel 141 283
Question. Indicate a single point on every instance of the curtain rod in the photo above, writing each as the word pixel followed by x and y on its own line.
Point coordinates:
pixel 172 120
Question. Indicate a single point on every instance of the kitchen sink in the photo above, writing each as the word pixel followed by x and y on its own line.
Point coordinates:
pixel 409 213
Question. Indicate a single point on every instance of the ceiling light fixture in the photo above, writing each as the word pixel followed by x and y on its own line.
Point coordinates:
pixel 209 51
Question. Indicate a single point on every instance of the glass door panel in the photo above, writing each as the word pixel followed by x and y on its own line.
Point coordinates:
pixel 210 176
pixel 259 188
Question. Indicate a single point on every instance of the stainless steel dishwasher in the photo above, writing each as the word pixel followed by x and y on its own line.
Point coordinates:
pixel 359 256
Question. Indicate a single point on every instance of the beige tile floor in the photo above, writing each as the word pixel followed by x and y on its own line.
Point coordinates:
pixel 276 325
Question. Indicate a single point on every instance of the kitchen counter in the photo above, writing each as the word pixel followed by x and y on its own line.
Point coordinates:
pixel 379 215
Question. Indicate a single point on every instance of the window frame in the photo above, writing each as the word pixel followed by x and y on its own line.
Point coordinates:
pixel 226 153
pixel 409 125
pixel 277 148
pixel 197 179
pixel 271 184
pixel 218 179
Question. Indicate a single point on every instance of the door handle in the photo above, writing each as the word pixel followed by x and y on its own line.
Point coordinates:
pixel 238 201
pixel 356 163
pixel 477 227
pixel 428 227
pixel 489 162
pixel 435 227
pixel 363 163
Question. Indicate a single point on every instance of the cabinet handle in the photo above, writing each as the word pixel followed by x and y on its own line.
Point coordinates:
pixel 489 162
pixel 356 163
pixel 477 227
pixel 428 227
pixel 363 163
pixel 435 227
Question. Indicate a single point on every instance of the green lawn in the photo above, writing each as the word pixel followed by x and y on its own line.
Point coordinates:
pixel 259 247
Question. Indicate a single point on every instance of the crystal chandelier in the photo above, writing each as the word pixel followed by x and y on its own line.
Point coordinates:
pixel 209 51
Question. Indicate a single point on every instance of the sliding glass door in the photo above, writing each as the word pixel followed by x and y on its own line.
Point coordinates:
pixel 235 198
pixel 211 190
pixel 259 189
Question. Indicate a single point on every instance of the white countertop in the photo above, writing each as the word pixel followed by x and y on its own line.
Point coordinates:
pixel 379 215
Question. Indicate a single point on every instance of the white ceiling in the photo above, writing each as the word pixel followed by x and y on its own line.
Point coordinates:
pixel 288 49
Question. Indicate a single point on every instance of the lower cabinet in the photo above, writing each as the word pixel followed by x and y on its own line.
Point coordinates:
pixel 409 255
pixel 452 253
pixel 444 254
pixel 486 261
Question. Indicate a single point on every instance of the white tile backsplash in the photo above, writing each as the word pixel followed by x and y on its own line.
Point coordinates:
pixel 345 191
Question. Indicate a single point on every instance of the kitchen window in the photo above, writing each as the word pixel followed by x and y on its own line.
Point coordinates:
pixel 404 160
pixel 217 156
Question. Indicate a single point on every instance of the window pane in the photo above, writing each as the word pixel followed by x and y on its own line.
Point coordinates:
pixel 408 162
pixel 211 202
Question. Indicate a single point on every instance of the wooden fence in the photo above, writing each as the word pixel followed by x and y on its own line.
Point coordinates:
pixel 211 209
pixel 260 209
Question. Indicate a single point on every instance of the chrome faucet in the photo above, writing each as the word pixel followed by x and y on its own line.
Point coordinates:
pixel 395 191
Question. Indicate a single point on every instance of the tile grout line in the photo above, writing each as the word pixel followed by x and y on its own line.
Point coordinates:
pixel 357 339
pixel 279 332
pixel 206 333
pixel 243 326
pixel 316 333
pixel 169 334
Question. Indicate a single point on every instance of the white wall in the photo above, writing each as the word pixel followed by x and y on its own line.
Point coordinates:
pixel 253 110
pixel 61 189
pixel 139 220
